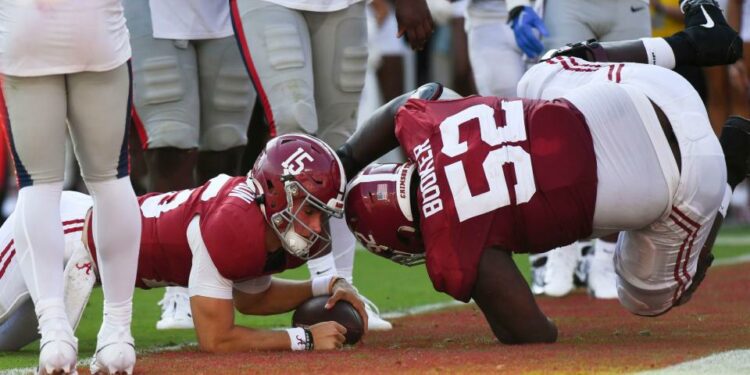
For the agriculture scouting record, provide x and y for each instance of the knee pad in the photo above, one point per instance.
(161, 81)
(352, 68)
(295, 114)
(284, 47)
(233, 91)
(643, 302)
(223, 137)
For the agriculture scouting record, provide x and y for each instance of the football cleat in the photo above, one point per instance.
(706, 29)
(58, 352)
(602, 279)
(115, 352)
(552, 272)
(581, 274)
(374, 321)
(175, 310)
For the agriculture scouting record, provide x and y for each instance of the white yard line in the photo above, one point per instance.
(420, 309)
(730, 362)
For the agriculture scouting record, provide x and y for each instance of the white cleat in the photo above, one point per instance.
(374, 321)
(552, 272)
(115, 354)
(175, 311)
(58, 353)
(602, 279)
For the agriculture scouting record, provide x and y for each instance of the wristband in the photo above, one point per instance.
(298, 338)
(310, 344)
(659, 52)
(321, 286)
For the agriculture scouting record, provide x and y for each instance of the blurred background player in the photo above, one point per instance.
(72, 58)
(193, 101)
(503, 36)
(307, 60)
(589, 263)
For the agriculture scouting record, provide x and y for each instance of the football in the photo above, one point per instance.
(313, 311)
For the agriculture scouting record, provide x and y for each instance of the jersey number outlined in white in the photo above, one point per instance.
(498, 195)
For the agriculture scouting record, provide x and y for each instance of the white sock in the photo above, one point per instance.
(322, 266)
(39, 241)
(343, 248)
(175, 290)
(604, 248)
(116, 315)
(51, 315)
(117, 234)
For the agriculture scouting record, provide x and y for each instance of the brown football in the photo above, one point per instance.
(313, 311)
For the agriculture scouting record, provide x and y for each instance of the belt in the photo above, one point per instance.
(666, 126)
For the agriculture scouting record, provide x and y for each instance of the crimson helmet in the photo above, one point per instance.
(301, 167)
(379, 212)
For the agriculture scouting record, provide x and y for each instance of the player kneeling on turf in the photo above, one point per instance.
(590, 149)
(222, 240)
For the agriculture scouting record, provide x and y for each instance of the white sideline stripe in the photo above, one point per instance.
(420, 309)
(733, 240)
(733, 260)
(729, 362)
(86, 362)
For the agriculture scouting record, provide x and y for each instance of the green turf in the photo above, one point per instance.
(390, 286)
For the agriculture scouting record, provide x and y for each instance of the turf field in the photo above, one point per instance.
(393, 288)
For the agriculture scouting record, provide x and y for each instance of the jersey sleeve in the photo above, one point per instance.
(234, 234)
(254, 286)
(205, 280)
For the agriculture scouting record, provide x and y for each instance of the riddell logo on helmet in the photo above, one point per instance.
(431, 202)
(295, 163)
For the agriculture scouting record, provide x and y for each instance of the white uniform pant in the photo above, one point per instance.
(307, 67)
(665, 213)
(188, 93)
(97, 106)
(570, 21)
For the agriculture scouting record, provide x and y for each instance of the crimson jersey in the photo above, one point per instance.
(231, 223)
(516, 174)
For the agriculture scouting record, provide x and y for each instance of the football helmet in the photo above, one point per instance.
(301, 169)
(379, 212)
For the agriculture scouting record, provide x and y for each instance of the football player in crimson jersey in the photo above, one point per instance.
(223, 240)
(593, 148)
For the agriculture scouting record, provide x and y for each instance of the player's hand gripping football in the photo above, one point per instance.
(342, 290)
(328, 335)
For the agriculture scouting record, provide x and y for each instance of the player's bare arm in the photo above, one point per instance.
(504, 297)
(707, 40)
(217, 333)
(377, 135)
(286, 295)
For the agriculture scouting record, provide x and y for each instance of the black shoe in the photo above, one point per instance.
(735, 141)
(706, 29)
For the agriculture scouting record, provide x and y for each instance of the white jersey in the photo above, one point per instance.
(315, 5)
(190, 19)
(43, 37)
